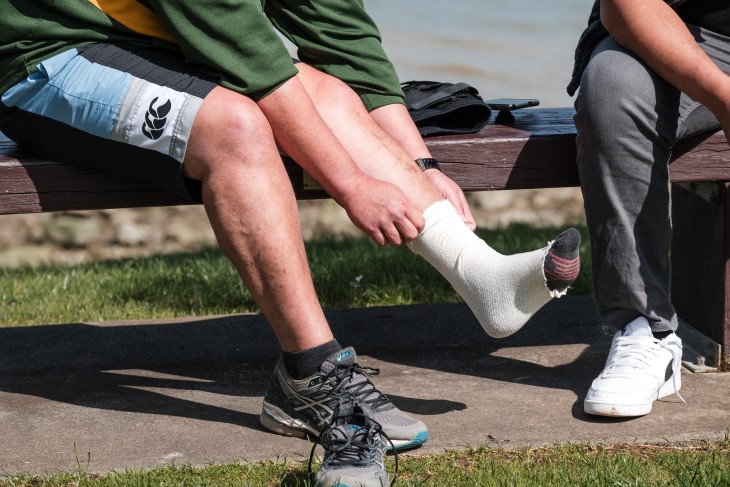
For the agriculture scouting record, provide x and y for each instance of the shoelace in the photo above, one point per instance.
(634, 352)
(676, 359)
(344, 376)
(359, 449)
(633, 349)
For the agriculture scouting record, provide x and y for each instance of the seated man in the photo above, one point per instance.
(657, 73)
(200, 97)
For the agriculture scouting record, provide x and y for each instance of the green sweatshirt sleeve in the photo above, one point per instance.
(339, 38)
(229, 40)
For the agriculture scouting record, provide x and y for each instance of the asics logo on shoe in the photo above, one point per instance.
(343, 355)
(155, 119)
(317, 381)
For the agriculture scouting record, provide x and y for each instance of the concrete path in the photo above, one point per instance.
(142, 394)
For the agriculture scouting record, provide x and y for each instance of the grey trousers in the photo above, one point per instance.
(628, 119)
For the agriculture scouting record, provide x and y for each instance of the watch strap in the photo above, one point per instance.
(427, 163)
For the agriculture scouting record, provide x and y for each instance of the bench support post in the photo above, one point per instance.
(701, 258)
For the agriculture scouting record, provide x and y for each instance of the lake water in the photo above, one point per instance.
(504, 48)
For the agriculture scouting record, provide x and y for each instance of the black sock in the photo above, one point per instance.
(661, 335)
(562, 263)
(306, 363)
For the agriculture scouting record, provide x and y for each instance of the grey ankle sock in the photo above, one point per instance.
(305, 363)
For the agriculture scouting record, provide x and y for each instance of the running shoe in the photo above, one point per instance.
(354, 449)
(304, 407)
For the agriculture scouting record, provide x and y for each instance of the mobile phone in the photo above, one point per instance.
(511, 103)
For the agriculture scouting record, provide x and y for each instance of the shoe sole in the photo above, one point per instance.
(630, 410)
(276, 420)
(420, 439)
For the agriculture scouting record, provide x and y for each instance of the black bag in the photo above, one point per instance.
(445, 108)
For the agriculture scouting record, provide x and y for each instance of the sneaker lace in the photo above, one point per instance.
(633, 352)
(351, 380)
(359, 449)
(637, 353)
(676, 359)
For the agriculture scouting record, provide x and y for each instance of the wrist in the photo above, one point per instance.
(347, 189)
(719, 100)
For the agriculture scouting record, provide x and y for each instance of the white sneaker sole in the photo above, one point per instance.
(630, 410)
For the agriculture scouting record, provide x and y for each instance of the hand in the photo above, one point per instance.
(383, 212)
(722, 112)
(452, 192)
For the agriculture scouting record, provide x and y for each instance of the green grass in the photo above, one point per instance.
(704, 464)
(348, 272)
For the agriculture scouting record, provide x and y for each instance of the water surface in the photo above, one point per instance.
(505, 48)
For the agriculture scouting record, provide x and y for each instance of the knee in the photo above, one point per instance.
(333, 95)
(615, 88)
(238, 124)
(225, 129)
(343, 95)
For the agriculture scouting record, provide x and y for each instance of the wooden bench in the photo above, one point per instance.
(537, 151)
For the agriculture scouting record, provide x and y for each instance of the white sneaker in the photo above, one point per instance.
(640, 369)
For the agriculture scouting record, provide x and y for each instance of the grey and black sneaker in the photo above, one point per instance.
(304, 407)
(354, 449)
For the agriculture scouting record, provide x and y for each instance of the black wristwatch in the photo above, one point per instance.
(428, 163)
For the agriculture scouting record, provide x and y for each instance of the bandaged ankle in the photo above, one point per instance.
(503, 291)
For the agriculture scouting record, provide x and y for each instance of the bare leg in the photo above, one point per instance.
(252, 208)
(395, 121)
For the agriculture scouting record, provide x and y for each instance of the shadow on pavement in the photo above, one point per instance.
(121, 366)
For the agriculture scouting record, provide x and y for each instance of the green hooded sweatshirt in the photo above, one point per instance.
(233, 41)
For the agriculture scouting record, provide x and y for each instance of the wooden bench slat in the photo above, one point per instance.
(703, 158)
(538, 151)
(33, 186)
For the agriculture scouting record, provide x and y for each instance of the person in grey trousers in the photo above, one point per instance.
(651, 72)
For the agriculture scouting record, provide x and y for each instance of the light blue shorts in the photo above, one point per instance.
(112, 107)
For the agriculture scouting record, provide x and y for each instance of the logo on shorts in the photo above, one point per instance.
(155, 119)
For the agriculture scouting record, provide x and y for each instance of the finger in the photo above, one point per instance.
(415, 218)
(378, 237)
(470, 224)
(408, 232)
(453, 197)
(468, 217)
(392, 233)
(457, 198)
(410, 225)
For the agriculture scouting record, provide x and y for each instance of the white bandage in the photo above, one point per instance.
(503, 291)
